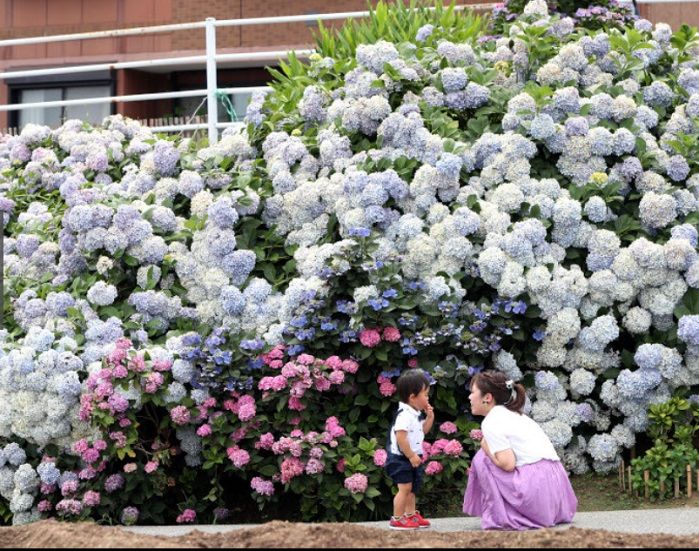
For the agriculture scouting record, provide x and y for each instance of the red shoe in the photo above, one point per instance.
(421, 521)
(403, 523)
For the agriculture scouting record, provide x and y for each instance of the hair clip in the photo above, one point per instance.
(509, 384)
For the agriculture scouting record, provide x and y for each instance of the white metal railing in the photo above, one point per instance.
(210, 59)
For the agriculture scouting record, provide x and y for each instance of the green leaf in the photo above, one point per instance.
(691, 301)
(361, 400)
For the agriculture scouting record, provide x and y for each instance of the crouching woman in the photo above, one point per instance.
(516, 480)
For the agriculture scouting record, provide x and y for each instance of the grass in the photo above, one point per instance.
(594, 492)
(602, 493)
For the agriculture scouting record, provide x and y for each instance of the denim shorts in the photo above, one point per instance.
(401, 471)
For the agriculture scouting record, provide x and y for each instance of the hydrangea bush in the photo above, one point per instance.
(191, 328)
(590, 14)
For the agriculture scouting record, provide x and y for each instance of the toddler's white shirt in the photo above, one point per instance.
(408, 419)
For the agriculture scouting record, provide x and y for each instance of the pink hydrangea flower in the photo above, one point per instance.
(69, 507)
(370, 337)
(291, 467)
(350, 366)
(262, 486)
(69, 487)
(439, 445)
(340, 467)
(357, 483)
(448, 427)
(151, 466)
(180, 415)
(412, 362)
(386, 387)
(247, 412)
(337, 377)
(453, 447)
(153, 382)
(120, 372)
(88, 473)
(433, 467)
(162, 365)
(475, 434)
(305, 359)
(91, 498)
(130, 467)
(204, 430)
(137, 364)
(238, 457)
(80, 446)
(272, 383)
(265, 442)
(295, 404)
(90, 455)
(391, 334)
(316, 452)
(314, 466)
(188, 515)
(123, 343)
(332, 426)
(380, 456)
(334, 362)
(119, 438)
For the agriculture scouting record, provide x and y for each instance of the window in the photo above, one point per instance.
(55, 116)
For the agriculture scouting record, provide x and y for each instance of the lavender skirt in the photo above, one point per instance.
(537, 495)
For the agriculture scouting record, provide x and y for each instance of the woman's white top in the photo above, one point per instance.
(504, 429)
(408, 419)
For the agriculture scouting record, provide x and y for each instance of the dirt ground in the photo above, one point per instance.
(51, 533)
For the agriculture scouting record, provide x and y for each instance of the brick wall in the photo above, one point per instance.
(674, 14)
(20, 18)
(259, 35)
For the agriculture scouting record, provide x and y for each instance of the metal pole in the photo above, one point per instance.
(211, 84)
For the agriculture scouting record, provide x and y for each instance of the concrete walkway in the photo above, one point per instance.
(680, 521)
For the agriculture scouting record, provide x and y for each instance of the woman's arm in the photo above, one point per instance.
(504, 459)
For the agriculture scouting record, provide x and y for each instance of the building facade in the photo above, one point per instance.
(27, 18)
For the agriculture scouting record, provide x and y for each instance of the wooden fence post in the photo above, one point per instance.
(628, 470)
(646, 491)
(623, 472)
(689, 481)
(677, 486)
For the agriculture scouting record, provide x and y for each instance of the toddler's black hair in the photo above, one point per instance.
(410, 382)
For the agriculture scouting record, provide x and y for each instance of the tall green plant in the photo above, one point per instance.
(672, 427)
(397, 23)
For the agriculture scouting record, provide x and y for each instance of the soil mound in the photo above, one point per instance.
(52, 533)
